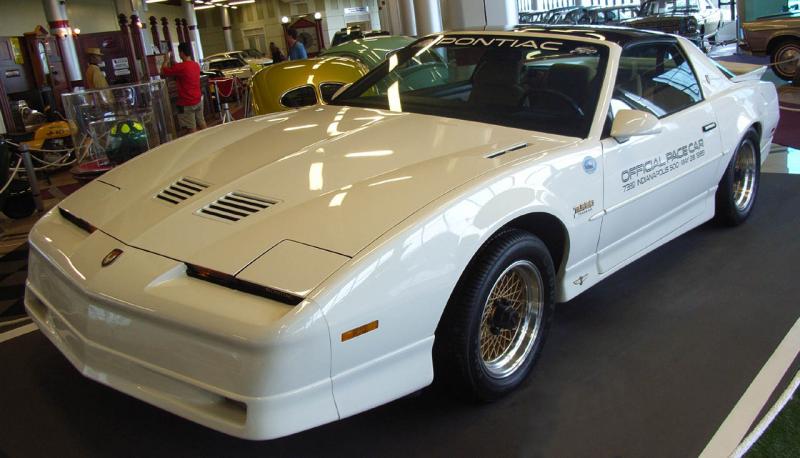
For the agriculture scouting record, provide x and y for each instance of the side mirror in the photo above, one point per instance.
(340, 90)
(633, 123)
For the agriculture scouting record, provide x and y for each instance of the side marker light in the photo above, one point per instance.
(363, 329)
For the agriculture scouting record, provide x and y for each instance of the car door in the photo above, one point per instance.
(655, 184)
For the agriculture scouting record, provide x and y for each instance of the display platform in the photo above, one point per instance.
(648, 363)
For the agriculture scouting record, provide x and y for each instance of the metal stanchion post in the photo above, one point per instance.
(226, 115)
(31, 175)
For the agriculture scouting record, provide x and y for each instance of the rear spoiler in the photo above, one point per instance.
(738, 72)
(753, 75)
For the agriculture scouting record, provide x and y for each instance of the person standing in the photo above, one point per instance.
(93, 77)
(296, 49)
(275, 51)
(187, 78)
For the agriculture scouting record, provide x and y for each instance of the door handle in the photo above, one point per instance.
(709, 126)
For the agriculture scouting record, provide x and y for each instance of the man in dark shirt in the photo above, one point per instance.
(187, 78)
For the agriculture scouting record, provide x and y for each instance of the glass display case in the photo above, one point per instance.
(118, 123)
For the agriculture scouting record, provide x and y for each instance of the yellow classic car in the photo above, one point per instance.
(300, 83)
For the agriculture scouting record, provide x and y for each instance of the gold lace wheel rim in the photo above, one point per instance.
(504, 349)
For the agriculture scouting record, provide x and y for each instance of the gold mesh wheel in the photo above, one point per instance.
(511, 319)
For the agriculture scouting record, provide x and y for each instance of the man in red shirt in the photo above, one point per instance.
(187, 78)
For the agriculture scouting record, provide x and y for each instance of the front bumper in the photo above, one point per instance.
(234, 362)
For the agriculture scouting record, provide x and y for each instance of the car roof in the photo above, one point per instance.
(224, 54)
(622, 36)
(214, 60)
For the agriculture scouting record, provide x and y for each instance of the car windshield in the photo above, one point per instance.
(619, 14)
(656, 7)
(253, 53)
(532, 83)
(225, 64)
(771, 9)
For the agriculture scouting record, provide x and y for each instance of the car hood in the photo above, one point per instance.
(331, 177)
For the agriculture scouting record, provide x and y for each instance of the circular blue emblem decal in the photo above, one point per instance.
(589, 164)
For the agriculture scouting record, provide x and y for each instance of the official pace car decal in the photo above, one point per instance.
(661, 165)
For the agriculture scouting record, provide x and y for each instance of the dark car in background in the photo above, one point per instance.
(534, 17)
(354, 33)
(601, 15)
(697, 20)
(566, 15)
(612, 15)
(608, 15)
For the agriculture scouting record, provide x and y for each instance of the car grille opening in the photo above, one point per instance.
(234, 206)
(181, 190)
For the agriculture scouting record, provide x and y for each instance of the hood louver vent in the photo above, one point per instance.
(181, 190)
(234, 206)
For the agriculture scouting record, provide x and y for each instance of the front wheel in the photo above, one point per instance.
(784, 59)
(497, 318)
(738, 188)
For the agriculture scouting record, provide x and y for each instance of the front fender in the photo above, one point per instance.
(405, 278)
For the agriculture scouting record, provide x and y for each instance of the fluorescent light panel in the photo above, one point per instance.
(241, 2)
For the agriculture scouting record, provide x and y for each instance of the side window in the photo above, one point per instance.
(657, 77)
(327, 90)
(300, 97)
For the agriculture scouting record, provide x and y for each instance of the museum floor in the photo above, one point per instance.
(649, 363)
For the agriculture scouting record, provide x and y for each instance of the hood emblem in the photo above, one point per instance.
(111, 257)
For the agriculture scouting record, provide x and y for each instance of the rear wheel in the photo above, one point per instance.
(784, 58)
(496, 321)
(738, 188)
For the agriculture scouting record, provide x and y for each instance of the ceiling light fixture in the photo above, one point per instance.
(204, 7)
(241, 2)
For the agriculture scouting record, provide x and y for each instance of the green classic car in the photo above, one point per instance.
(369, 51)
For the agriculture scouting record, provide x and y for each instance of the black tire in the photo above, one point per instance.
(782, 51)
(738, 188)
(458, 361)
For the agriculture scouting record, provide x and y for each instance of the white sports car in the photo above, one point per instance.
(277, 273)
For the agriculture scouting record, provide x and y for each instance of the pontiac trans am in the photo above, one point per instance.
(277, 273)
